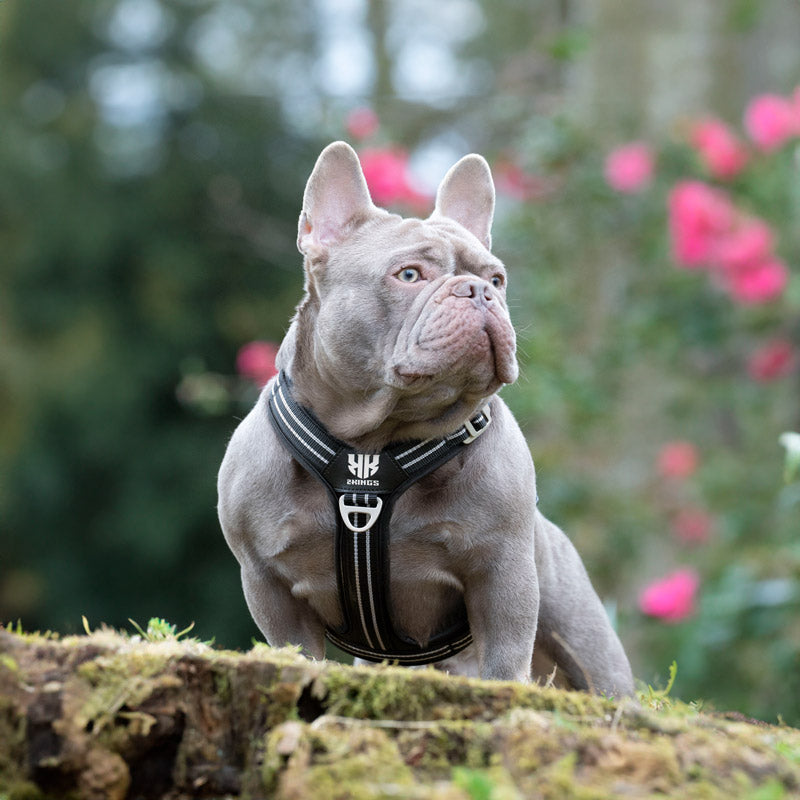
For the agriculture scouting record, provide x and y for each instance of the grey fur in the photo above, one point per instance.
(379, 359)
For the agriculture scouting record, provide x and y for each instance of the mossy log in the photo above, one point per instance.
(110, 716)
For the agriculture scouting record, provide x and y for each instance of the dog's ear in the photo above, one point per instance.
(466, 195)
(335, 199)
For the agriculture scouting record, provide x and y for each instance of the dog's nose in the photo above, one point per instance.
(480, 291)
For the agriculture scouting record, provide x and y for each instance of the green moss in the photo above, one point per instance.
(334, 761)
(222, 685)
(378, 693)
(22, 790)
(396, 693)
(558, 782)
(432, 750)
(771, 790)
(12, 742)
(8, 662)
(113, 681)
(493, 783)
(280, 702)
(377, 732)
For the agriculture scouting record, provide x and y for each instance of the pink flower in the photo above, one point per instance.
(720, 150)
(751, 242)
(770, 121)
(256, 361)
(692, 525)
(773, 360)
(629, 168)
(759, 282)
(677, 459)
(362, 123)
(388, 179)
(672, 598)
(796, 108)
(698, 217)
(514, 182)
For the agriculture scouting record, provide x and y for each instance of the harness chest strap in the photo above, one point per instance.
(363, 488)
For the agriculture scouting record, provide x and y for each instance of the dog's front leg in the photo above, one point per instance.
(502, 599)
(281, 617)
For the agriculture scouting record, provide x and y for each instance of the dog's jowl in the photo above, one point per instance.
(380, 493)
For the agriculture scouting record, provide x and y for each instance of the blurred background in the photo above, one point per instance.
(153, 155)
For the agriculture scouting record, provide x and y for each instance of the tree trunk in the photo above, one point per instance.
(105, 716)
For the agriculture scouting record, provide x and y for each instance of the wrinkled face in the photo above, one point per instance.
(418, 306)
(404, 330)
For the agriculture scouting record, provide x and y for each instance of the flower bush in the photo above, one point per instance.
(660, 302)
(730, 209)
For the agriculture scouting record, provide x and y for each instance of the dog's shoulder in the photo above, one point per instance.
(254, 462)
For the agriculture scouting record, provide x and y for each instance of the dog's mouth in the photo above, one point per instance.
(484, 365)
(407, 377)
(459, 343)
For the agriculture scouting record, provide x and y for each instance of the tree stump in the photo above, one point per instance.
(112, 716)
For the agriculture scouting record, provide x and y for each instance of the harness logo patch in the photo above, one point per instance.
(363, 465)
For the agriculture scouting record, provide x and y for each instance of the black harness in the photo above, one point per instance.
(363, 488)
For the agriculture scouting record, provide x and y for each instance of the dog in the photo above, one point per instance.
(419, 539)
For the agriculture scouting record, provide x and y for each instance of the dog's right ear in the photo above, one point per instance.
(336, 198)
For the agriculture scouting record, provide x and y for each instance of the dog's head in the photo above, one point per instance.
(405, 318)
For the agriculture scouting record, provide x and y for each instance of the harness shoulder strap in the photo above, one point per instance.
(363, 488)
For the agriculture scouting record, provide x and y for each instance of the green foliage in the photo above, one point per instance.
(477, 783)
(659, 698)
(624, 352)
(131, 245)
(159, 630)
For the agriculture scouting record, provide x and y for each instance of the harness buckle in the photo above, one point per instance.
(371, 512)
(474, 432)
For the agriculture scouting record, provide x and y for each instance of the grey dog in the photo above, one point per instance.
(399, 345)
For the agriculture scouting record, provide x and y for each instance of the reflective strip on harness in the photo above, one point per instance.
(363, 488)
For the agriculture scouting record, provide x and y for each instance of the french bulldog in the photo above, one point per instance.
(402, 336)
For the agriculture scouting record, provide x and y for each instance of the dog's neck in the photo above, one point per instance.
(376, 416)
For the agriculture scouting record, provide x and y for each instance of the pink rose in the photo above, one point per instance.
(629, 168)
(256, 361)
(720, 150)
(362, 123)
(672, 598)
(698, 217)
(773, 360)
(677, 459)
(388, 178)
(750, 242)
(770, 121)
(759, 282)
(692, 526)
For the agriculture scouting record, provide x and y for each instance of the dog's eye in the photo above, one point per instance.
(497, 281)
(409, 275)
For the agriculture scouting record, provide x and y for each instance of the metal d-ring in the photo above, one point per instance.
(371, 512)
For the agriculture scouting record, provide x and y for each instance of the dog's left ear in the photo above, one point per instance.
(466, 195)
(336, 198)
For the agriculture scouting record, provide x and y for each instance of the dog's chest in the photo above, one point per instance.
(425, 550)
